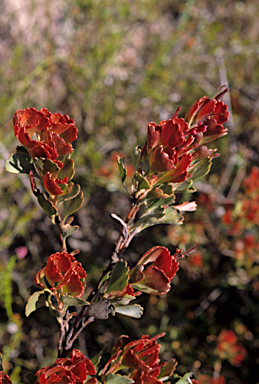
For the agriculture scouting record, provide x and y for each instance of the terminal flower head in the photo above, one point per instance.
(43, 134)
(63, 273)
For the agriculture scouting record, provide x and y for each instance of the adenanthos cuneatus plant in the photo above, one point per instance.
(174, 155)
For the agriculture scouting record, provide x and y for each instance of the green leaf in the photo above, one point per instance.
(69, 301)
(119, 277)
(202, 169)
(160, 202)
(46, 165)
(19, 162)
(31, 378)
(140, 182)
(159, 215)
(122, 169)
(184, 186)
(45, 204)
(172, 216)
(36, 300)
(67, 170)
(72, 205)
(118, 379)
(149, 218)
(132, 310)
(185, 379)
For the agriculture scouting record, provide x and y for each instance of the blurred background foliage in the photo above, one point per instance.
(113, 66)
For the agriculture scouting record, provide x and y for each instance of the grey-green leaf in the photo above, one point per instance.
(36, 300)
(133, 310)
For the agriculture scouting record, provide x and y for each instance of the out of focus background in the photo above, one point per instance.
(113, 66)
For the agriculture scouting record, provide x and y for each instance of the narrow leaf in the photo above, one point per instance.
(36, 300)
(72, 205)
(119, 277)
(122, 169)
(136, 155)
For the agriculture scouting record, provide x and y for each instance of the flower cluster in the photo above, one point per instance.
(154, 271)
(54, 132)
(63, 274)
(73, 371)
(48, 137)
(140, 356)
(229, 348)
(174, 144)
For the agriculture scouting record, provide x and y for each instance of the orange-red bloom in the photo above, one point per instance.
(205, 379)
(43, 134)
(173, 144)
(68, 371)
(229, 348)
(4, 379)
(154, 271)
(141, 356)
(62, 273)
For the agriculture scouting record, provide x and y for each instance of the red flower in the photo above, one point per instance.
(139, 355)
(229, 348)
(62, 273)
(52, 182)
(51, 133)
(211, 113)
(4, 379)
(154, 271)
(172, 145)
(70, 371)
